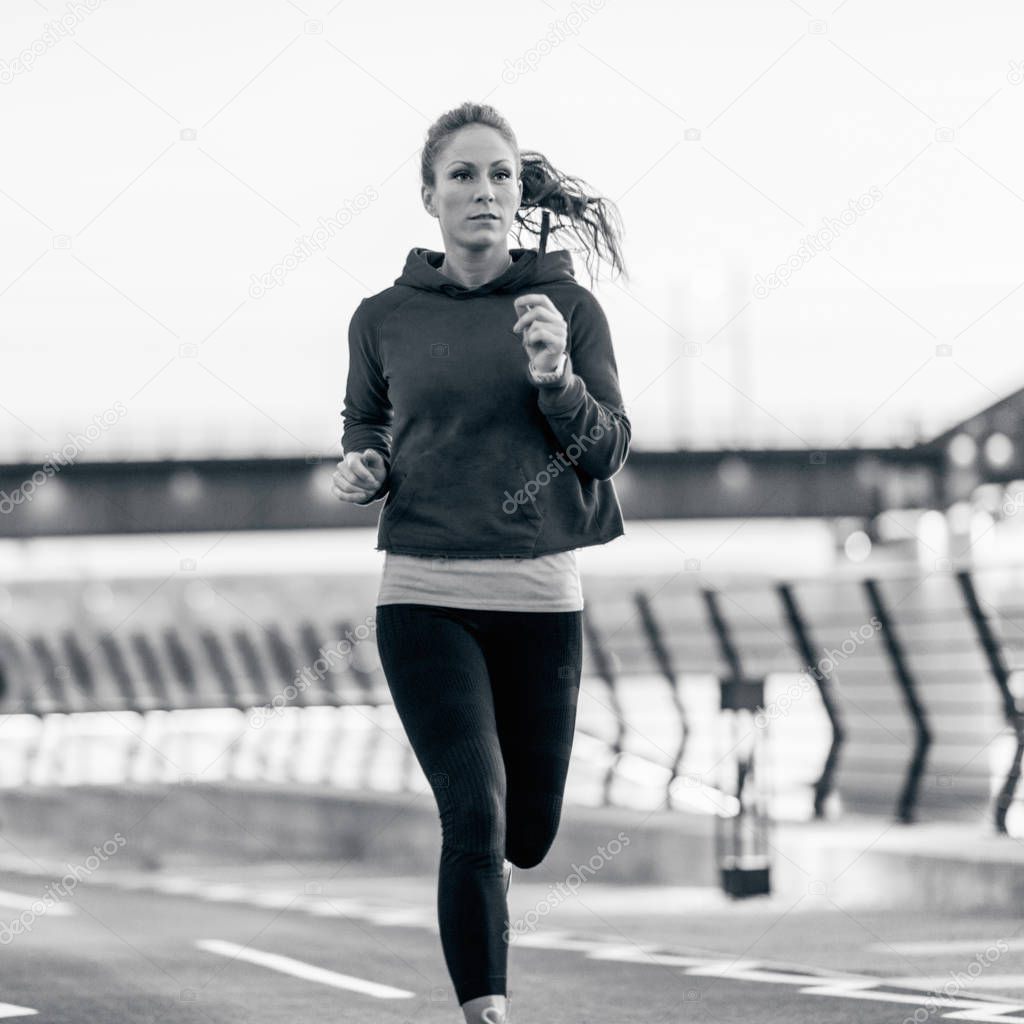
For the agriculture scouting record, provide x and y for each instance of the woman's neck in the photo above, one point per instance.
(472, 269)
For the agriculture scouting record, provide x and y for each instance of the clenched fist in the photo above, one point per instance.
(544, 330)
(359, 476)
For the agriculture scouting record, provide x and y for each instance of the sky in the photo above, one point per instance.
(160, 159)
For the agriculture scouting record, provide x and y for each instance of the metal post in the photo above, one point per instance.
(607, 673)
(730, 655)
(158, 696)
(923, 737)
(261, 695)
(997, 666)
(661, 655)
(825, 785)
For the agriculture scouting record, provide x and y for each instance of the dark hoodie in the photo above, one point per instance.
(484, 463)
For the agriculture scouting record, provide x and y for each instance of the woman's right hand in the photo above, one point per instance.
(359, 476)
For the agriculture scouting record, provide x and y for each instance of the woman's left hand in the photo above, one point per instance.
(546, 331)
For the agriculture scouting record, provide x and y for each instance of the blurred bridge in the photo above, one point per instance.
(281, 493)
(200, 494)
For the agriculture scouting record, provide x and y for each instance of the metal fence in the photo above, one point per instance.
(890, 692)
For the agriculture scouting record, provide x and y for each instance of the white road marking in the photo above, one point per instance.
(806, 981)
(724, 968)
(275, 898)
(19, 901)
(412, 917)
(226, 891)
(333, 907)
(943, 946)
(982, 981)
(10, 1010)
(970, 1009)
(286, 965)
(177, 885)
(982, 1014)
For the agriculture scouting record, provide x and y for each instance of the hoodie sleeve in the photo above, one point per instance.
(588, 401)
(367, 414)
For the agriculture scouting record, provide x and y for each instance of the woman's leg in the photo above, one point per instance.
(438, 677)
(535, 664)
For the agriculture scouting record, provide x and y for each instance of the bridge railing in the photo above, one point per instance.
(891, 692)
(910, 676)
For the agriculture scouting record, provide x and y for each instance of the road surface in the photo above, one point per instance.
(337, 942)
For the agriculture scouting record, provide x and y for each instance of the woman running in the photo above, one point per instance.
(483, 401)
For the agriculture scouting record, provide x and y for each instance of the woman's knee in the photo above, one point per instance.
(530, 839)
(527, 853)
(475, 820)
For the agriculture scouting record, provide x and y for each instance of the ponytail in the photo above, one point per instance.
(594, 221)
(548, 193)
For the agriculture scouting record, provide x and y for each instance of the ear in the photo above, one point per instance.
(427, 194)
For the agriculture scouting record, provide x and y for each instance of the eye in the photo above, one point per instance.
(459, 174)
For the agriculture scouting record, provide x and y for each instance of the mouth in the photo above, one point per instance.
(484, 216)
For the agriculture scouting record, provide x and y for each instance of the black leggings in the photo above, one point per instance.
(488, 701)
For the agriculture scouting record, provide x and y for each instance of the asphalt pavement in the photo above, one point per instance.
(305, 941)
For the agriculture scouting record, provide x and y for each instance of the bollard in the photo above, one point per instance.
(743, 820)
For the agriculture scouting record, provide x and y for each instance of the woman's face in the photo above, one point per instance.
(475, 173)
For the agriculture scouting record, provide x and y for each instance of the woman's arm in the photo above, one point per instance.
(367, 415)
(585, 408)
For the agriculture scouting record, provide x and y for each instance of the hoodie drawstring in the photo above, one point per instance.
(545, 222)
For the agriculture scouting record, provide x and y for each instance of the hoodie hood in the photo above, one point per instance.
(528, 269)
